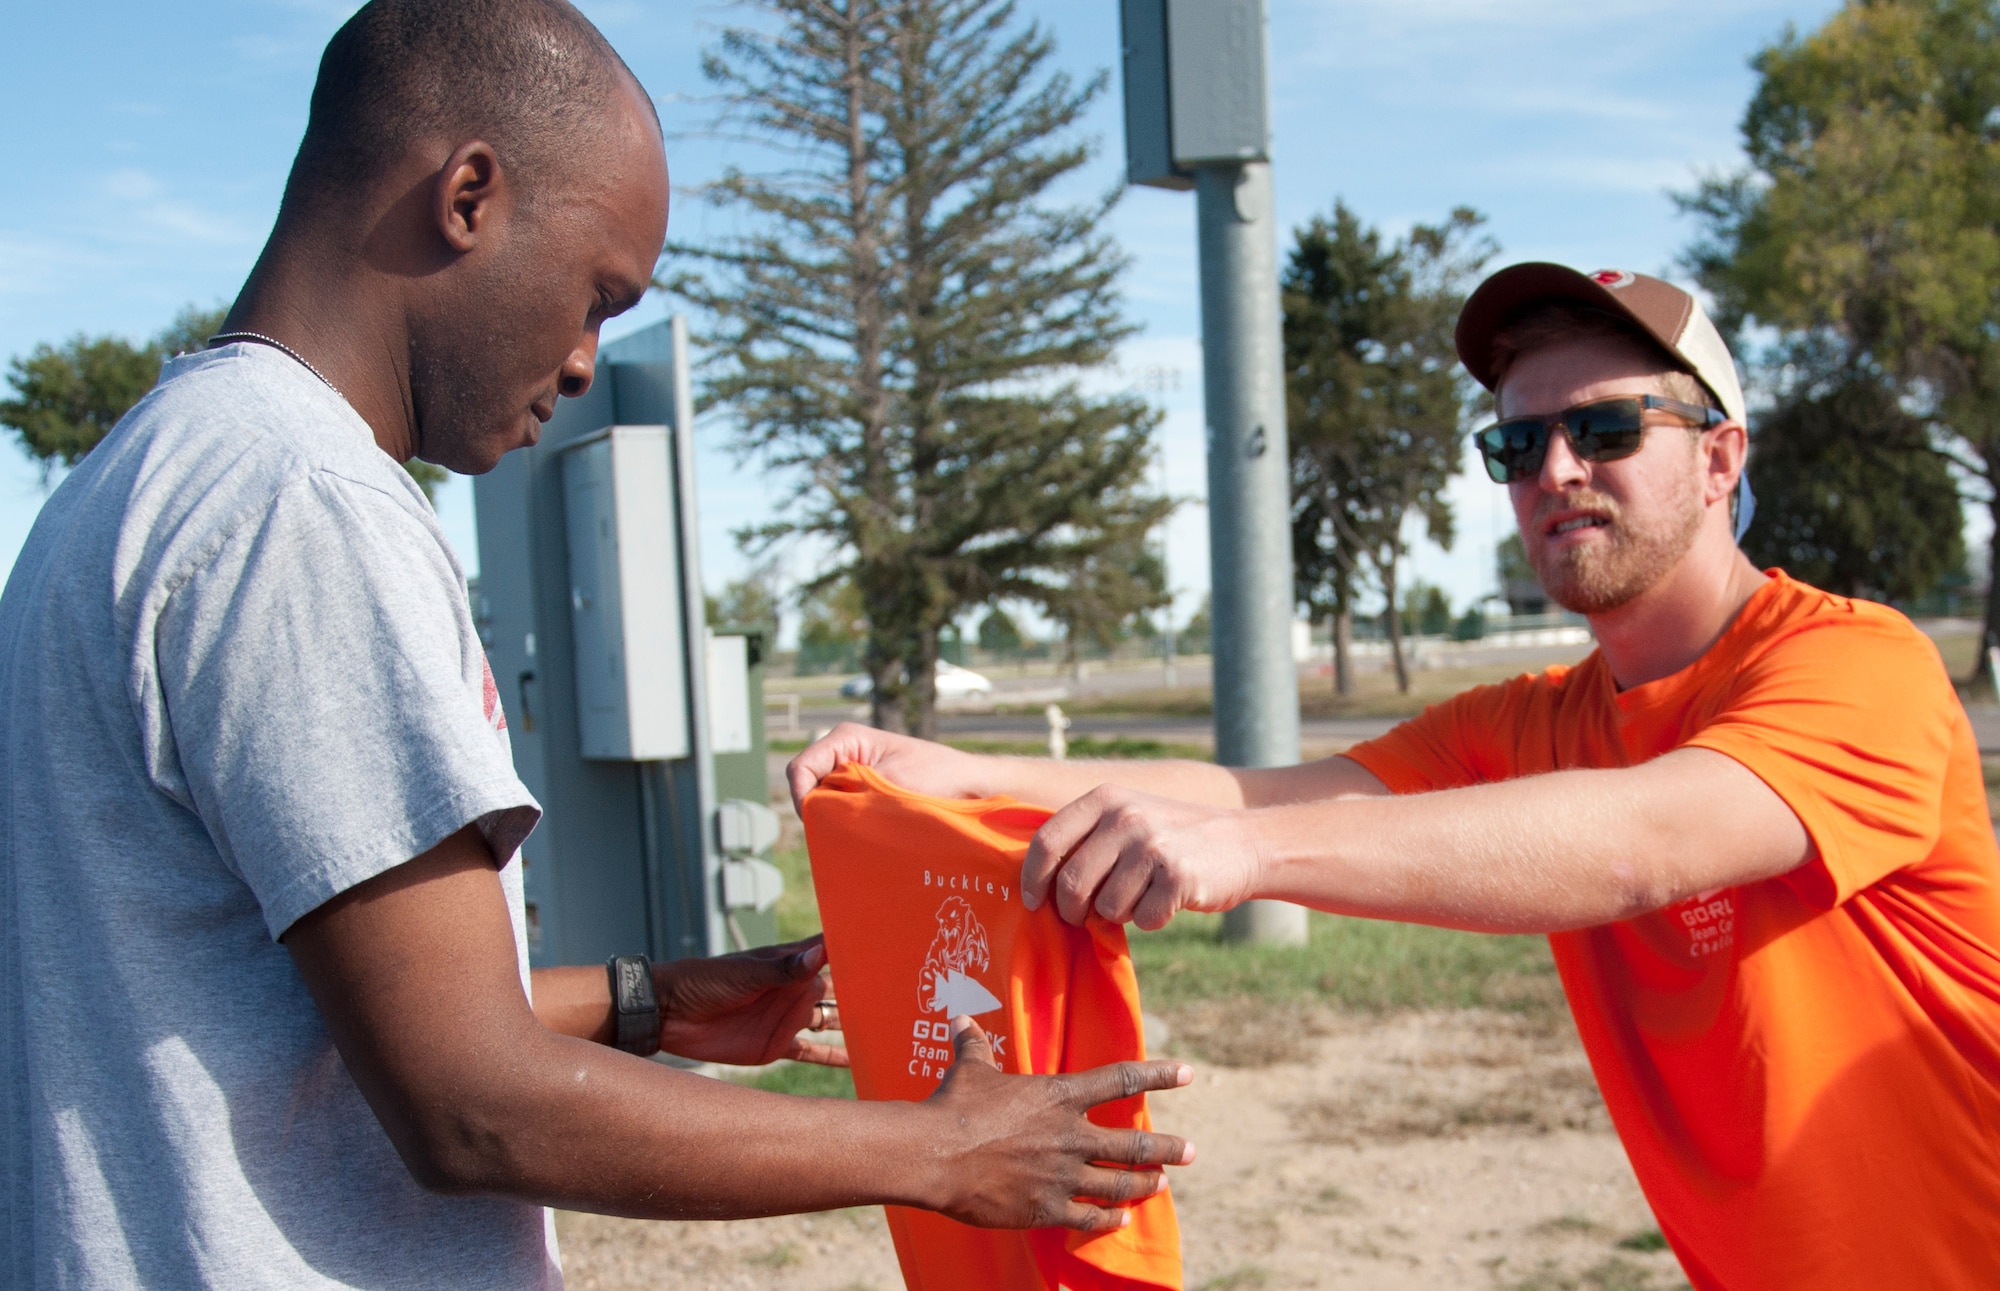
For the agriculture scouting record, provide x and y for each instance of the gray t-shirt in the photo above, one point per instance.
(237, 676)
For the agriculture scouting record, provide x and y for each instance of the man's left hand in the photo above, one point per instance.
(748, 1008)
(1129, 856)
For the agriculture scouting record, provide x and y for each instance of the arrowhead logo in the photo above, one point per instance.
(954, 993)
(946, 985)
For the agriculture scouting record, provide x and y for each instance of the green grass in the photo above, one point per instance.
(805, 1078)
(798, 906)
(1358, 964)
(1646, 1239)
(1243, 1279)
(1181, 701)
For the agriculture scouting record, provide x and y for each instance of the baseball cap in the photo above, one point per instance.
(1658, 308)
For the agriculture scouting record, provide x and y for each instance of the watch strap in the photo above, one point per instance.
(635, 1009)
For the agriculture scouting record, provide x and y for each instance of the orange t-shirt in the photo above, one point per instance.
(924, 922)
(1802, 1069)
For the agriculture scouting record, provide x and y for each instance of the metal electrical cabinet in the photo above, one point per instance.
(589, 599)
(626, 602)
(1195, 73)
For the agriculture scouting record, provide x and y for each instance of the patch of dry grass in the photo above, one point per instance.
(1246, 1030)
(1521, 1102)
(1517, 1076)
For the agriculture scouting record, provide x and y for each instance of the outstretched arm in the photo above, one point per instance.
(415, 974)
(946, 772)
(745, 1009)
(1567, 850)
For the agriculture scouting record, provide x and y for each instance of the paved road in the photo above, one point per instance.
(1316, 735)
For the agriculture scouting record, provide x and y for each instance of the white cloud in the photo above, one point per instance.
(141, 205)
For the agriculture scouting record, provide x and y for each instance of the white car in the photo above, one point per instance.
(953, 682)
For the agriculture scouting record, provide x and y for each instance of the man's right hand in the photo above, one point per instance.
(918, 765)
(1020, 1151)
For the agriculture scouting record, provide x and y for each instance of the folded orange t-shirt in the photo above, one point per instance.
(924, 922)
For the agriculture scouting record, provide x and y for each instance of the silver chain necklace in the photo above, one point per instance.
(280, 346)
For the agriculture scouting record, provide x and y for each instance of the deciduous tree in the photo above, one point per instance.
(1105, 592)
(1375, 404)
(998, 634)
(1849, 495)
(1865, 231)
(68, 397)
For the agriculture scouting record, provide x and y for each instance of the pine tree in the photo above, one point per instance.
(1105, 592)
(904, 316)
(1375, 402)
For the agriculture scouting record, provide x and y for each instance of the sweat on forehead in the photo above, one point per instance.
(529, 77)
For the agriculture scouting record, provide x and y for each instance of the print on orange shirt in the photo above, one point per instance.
(1804, 1071)
(924, 921)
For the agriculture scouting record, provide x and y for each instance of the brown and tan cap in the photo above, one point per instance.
(1661, 310)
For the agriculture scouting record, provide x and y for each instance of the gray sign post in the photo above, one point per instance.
(1196, 116)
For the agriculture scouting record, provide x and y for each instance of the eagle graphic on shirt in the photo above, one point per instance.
(946, 984)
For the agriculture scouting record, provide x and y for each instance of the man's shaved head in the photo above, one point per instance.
(482, 183)
(527, 76)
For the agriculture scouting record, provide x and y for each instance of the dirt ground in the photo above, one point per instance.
(1442, 1149)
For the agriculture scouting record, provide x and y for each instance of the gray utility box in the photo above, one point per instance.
(1195, 87)
(589, 598)
(626, 601)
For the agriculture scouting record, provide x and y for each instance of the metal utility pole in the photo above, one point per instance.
(1197, 116)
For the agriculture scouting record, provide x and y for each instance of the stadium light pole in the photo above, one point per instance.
(1197, 116)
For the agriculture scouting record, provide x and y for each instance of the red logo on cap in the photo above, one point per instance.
(1612, 278)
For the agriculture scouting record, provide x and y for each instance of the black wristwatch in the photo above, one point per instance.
(635, 1010)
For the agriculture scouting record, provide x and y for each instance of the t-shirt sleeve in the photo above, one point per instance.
(1462, 741)
(325, 695)
(1849, 719)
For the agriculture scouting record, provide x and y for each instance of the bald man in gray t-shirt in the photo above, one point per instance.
(239, 677)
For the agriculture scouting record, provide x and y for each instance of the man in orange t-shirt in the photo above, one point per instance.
(1753, 823)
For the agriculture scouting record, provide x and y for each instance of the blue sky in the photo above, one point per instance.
(145, 146)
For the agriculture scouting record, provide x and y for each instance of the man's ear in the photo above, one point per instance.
(468, 185)
(1725, 456)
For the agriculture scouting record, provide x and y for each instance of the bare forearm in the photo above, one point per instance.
(415, 976)
(586, 1127)
(950, 773)
(1046, 782)
(1541, 854)
(574, 1001)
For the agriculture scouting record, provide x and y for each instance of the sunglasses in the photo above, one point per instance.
(1603, 431)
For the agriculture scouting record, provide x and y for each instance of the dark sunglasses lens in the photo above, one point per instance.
(1607, 431)
(1513, 449)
